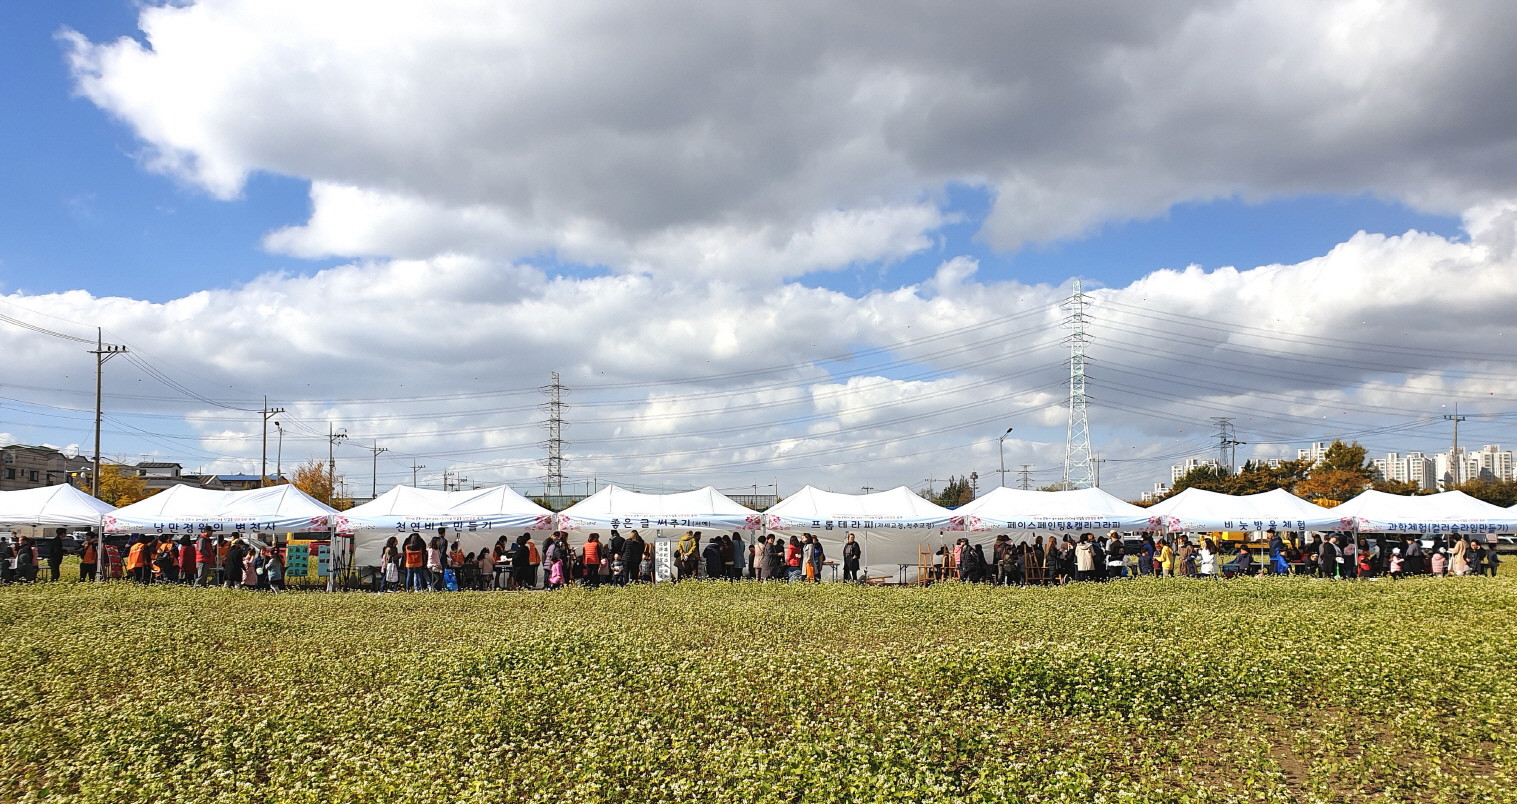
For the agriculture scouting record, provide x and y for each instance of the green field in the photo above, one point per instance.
(1245, 690)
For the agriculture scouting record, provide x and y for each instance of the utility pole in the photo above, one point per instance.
(1078, 472)
(102, 353)
(928, 480)
(1456, 465)
(333, 436)
(414, 467)
(1026, 474)
(868, 489)
(1227, 444)
(1002, 445)
(263, 475)
(1096, 462)
(974, 484)
(374, 482)
(554, 407)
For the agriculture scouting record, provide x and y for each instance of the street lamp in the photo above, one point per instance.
(279, 453)
(1002, 442)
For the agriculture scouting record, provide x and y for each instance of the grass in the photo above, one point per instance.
(1247, 690)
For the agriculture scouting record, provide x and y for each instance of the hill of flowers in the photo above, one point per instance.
(1244, 690)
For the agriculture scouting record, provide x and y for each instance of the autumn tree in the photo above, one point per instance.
(1341, 474)
(311, 477)
(1495, 492)
(121, 486)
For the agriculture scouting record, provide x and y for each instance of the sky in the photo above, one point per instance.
(765, 245)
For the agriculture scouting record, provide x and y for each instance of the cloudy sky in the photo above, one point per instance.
(762, 243)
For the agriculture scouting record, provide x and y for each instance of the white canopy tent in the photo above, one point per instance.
(1449, 512)
(1194, 510)
(618, 508)
(1075, 511)
(474, 518)
(889, 524)
(187, 510)
(52, 507)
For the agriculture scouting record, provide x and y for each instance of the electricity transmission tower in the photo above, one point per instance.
(554, 407)
(1227, 443)
(1026, 479)
(1079, 472)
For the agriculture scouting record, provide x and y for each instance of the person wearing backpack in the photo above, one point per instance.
(416, 561)
(273, 570)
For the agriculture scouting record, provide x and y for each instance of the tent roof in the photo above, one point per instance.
(1077, 509)
(899, 505)
(617, 501)
(1446, 512)
(407, 501)
(52, 506)
(274, 508)
(1198, 509)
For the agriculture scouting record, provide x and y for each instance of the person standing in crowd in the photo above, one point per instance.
(7, 561)
(729, 556)
(521, 563)
(51, 551)
(1051, 562)
(389, 565)
(739, 556)
(1164, 559)
(1116, 556)
(231, 565)
(713, 557)
(26, 560)
(1207, 559)
(592, 554)
(415, 552)
(1146, 550)
(251, 563)
(685, 552)
(851, 553)
(1276, 548)
(1438, 562)
(1348, 565)
(1412, 552)
(1459, 560)
(818, 558)
(188, 558)
(89, 557)
(433, 566)
(1328, 558)
(205, 558)
(1085, 559)
(1397, 562)
(273, 570)
(793, 560)
(774, 563)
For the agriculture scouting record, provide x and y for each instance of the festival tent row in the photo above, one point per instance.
(60, 506)
(890, 525)
(474, 518)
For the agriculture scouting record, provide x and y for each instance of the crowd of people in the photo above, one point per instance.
(436, 564)
(421, 564)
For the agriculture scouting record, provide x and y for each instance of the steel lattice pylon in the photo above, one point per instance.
(554, 483)
(1079, 470)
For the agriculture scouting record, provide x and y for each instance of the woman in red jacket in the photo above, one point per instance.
(793, 559)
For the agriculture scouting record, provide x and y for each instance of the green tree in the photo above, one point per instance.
(958, 492)
(121, 486)
(1341, 475)
(311, 477)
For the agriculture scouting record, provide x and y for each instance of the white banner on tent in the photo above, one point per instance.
(1451, 512)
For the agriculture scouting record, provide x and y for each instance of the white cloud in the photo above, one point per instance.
(607, 130)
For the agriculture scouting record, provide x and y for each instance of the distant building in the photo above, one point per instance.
(159, 475)
(245, 482)
(1180, 470)
(1414, 468)
(1160, 489)
(27, 467)
(1316, 451)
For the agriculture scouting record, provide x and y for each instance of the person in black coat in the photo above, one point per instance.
(26, 561)
(851, 553)
(713, 556)
(1329, 557)
(52, 552)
